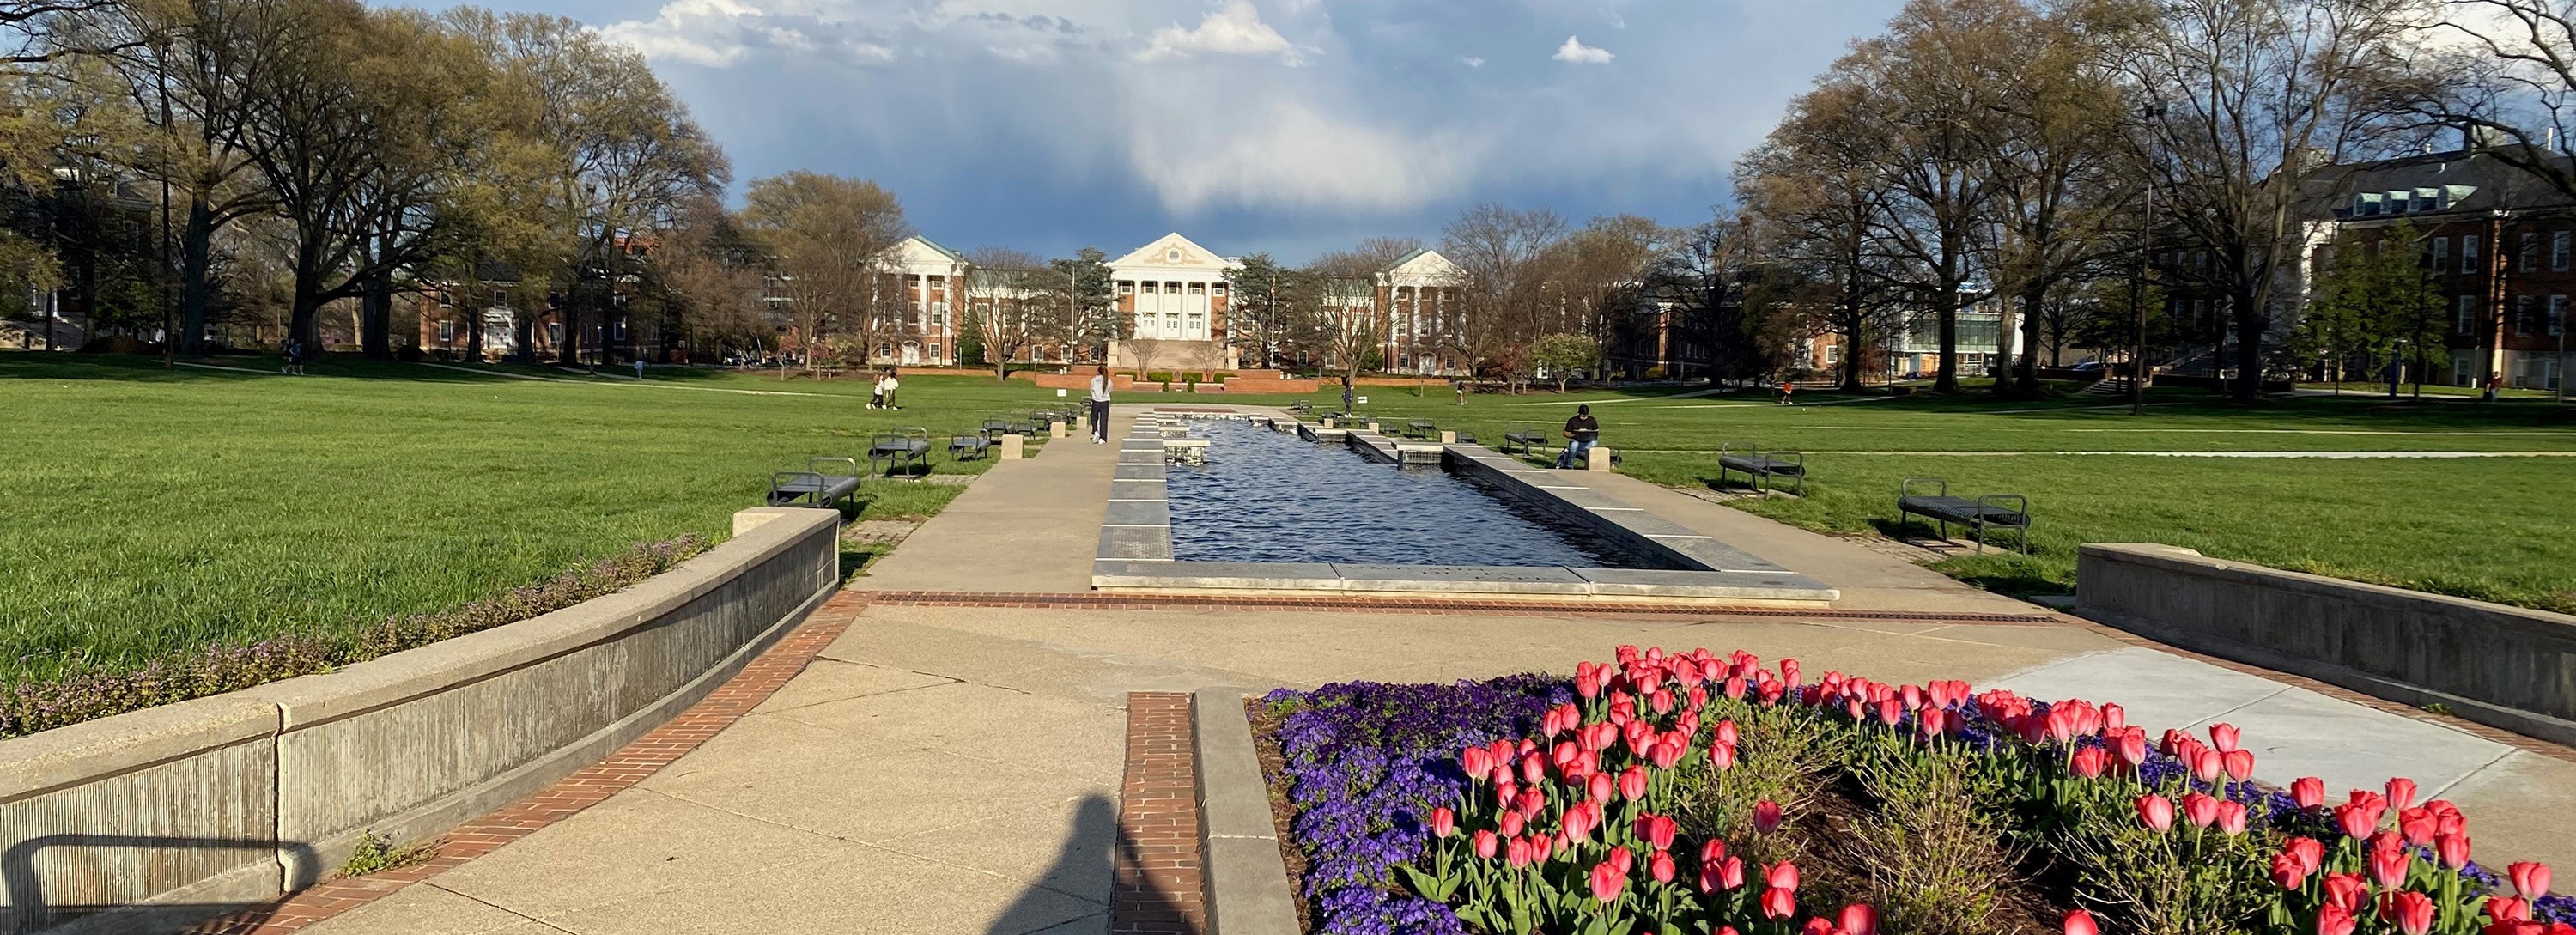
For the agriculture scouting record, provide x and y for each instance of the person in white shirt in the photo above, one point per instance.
(1100, 405)
(886, 388)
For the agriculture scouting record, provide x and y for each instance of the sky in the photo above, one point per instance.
(1283, 126)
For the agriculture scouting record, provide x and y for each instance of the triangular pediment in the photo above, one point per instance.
(1173, 251)
(920, 253)
(1423, 267)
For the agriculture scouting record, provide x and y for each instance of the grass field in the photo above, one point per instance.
(151, 511)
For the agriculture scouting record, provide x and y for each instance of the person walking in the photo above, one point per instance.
(887, 387)
(1100, 405)
(1788, 392)
(294, 358)
(639, 368)
(876, 393)
(1581, 433)
(2495, 384)
(1461, 386)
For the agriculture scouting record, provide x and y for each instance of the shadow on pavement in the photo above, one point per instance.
(1081, 870)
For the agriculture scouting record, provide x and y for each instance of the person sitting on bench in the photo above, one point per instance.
(1581, 433)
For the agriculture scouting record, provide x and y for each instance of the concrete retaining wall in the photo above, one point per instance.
(149, 820)
(2505, 666)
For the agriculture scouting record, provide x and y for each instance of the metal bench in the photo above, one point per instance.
(969, 447)
(1524, 435)
(1301, 407)
(1759, 469)
(1983, 514)
(999, 426)
(1421, 429)
(814, 486)
(900, 449)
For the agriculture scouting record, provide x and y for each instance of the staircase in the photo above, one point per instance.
(2111, 386)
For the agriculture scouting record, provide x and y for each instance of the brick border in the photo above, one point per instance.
(586, 787)
(1414, 605)
(1161, 873)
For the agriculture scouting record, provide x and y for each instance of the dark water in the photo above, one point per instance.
(1268, 496)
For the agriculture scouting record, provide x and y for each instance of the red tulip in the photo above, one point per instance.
(2334, 920)
(1721, 756)
(2207, 764)
(2080, 922)
(1478, 762)
(2452, 850)
(1517, 853)
(1607, 882)
(2308, 791)
(1726, 874)
(2231, 818)
(2310, 853)
(2114, 718)
(2200, 810)
(1779, 903)
(1529, 803)
(2239, 764)
(1711, 851)
(1511, 824)
(1581, 818)
(2089, 762)
(1818, 926)
(1659, 865)
(2388, 867)
(2401, 793)
(2417, 825)
(2508, 909)
(2358, 819)
(1532, 771)
(2345, 891)
(1766, 816)
(1663, 832)
(2156, 812)
(2530, 880)
(2223, 736)
(2132, 748)
(1781, 876)
(1667, 754)
(1891, 711)
(1726, 732)
(1598, 787)
(2288, 871)
(1632, 784)
(1622, 859)
(1789, 671)
(2412, 911)
(1486, 844)
(1858, 919)
(1933, 722)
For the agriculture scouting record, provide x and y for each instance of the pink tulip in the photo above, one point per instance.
(2530, 880)
(2308, 792)
(2088, 762)
(2413, 912)
(1781, 876)
(2508, 909)
(2231, 818)
(2156, 812)
(2452, 850)
(1621, 858)
(1633, 783)
(2114, 718)
(1511, 824)
(2223, 736)
(1517, 853)
(2388, 867)
(1444, 822)
(1607, 882)
(1662, 833)
(1726, 732)
(2131, 746)
(2207, 764)
(1599, 787)
(2239, 764)
(1789, 671)
(2346, 891)
(2287, 871)
(1478, 762)
(1933, 722)
(2080, 922)
(1659, 865)
(1858, 919)
(1711, 851)
(1766, 816)
(2358, 819)
(2334, 920)
(1533, 772)
(1779, 903)
(2200, 810)
(1721, 757)
(2401, 793)
(2310, 853)
(1486, 843)
(1666, 755)
(1890, 712)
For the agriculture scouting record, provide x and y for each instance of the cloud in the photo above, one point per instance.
(1576, 53)
(1234, 29)
(699, 32)
(1291, 156)
(1473, 61)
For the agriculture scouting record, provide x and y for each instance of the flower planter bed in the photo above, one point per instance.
(1700, 794)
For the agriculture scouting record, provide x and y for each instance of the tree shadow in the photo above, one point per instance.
(1082, 869)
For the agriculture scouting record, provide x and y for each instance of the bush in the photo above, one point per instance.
(82, 695)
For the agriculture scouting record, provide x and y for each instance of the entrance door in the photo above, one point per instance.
(911, 354)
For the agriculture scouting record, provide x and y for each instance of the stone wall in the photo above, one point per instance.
(148, 820)
(2505, 666)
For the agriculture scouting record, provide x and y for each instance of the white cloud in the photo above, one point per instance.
(699, 32)
(1292, 156)
(1575, 52)
(1473, 61)
(1234, 29)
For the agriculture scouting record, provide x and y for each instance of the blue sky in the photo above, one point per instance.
(1292, 126)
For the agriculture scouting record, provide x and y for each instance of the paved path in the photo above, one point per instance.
(2325, 455)
(955, 768)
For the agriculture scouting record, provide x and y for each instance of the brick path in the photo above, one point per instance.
(586, 787)
(1160, 885)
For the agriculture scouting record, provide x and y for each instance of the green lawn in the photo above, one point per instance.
(150, 511)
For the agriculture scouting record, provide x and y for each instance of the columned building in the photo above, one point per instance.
(925, 279)
(1422, 296)
(1175, 292)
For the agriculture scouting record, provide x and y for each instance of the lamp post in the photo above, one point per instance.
(2396, 366)
(2138, 290)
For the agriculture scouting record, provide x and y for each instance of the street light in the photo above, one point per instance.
(2138, 290)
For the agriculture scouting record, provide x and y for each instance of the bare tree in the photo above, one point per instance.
(825, 236)
(1500, 251)
(1006, 292)
(1813, 194)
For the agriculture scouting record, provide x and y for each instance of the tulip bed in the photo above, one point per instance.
(1704, 794)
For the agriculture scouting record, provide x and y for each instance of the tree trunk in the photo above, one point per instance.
(2026, 376)
(473, 332)
(376, 308)
(1948, 319)
(2249, 347)
(196, 259)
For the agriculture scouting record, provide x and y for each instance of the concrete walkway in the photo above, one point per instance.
(956, 768)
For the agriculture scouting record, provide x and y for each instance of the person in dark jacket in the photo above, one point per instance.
(1581, 433)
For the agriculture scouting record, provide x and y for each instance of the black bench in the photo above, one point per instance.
(1524, 435)
(1983, 515)
(1759, 469)
(1421, 429)
(969, 447)
(814, 486)
(1301, 407)
(900, 449)
(998, 426)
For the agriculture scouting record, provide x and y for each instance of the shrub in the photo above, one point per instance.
(86, 694)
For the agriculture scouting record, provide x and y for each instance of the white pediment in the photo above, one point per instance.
(917, 254)
(1424, 268)
(1173, 251)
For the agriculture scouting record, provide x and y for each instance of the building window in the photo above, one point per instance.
(934, 352)
(444, 301)
(2441, 247)
(2558, 251)
(1149, 288)
(2557, 315)
(554, 332)
(446, 331)
(2522, 315)
(1198, 288)
(1126, 288)
(2469, 253)
(2468, 314)
(2530, 252)
(500, 298)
